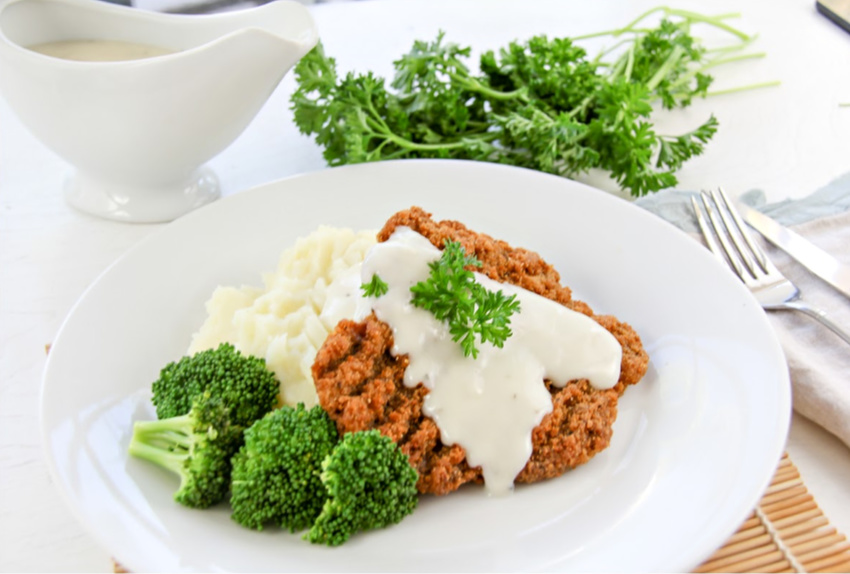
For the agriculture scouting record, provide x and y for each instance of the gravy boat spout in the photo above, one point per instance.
(138, 130)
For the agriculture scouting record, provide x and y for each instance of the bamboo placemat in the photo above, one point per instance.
(787, 532)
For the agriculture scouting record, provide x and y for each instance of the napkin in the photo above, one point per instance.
(818, 361)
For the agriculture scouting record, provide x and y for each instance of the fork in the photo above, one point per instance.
(726, 236)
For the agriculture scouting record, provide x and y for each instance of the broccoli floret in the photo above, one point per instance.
(243, 382)
(370, 484)
(197, 446)
(276, 473)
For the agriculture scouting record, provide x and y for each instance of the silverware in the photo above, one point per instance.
(726, 236)
(804, 252)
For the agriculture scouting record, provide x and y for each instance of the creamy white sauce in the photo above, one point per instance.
(345, 299)
(99, 50)
(491, 404)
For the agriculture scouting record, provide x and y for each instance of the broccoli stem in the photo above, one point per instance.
(181, 424)
(163, 442)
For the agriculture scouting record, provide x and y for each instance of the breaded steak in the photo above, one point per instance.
(360, 383)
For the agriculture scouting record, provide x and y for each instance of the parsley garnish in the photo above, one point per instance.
(543, 104)
(374, 288)
(452, 295)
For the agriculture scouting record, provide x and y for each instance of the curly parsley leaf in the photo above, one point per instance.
(472, 312)
(376, 287)
(675, 150)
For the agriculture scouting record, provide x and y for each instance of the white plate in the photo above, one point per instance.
(695, 444)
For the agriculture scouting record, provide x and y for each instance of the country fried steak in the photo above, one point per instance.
(360, 383)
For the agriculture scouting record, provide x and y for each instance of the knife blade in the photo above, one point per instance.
(802, 250)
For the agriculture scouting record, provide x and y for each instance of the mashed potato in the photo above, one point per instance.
(315, 285)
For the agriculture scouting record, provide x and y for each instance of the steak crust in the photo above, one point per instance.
(361, 384)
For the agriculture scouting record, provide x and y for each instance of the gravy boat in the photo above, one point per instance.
(139, 131)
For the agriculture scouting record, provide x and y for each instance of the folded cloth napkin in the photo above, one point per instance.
(819, 362)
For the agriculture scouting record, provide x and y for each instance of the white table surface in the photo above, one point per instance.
(788, 141)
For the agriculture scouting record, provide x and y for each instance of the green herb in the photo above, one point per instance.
(543, 104)
(374, 288)
(452, 295)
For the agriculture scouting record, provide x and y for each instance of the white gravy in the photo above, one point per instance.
(99, 50)
(491, 404)
(345, 299)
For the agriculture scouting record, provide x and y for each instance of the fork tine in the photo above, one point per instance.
(754, 250)
(736, 232)
(757, 251)
(718, 231)
(706, 231)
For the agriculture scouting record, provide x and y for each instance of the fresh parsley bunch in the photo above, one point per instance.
(543, 104)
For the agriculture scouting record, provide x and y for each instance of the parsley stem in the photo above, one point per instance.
(630, 63)
(745, 88)
(665, 68)
(382, 144)
(377, 118)
(608, 50)
(490, 93)
(618, 68)
(715, 21)
(624, 64)
(737, 47)
(376, 122)
(688, 16)
(411, 145)
(630, 27)
(738, 58)
(582, 107)
(687, 77)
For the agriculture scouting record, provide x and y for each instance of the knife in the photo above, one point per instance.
(811, 257)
